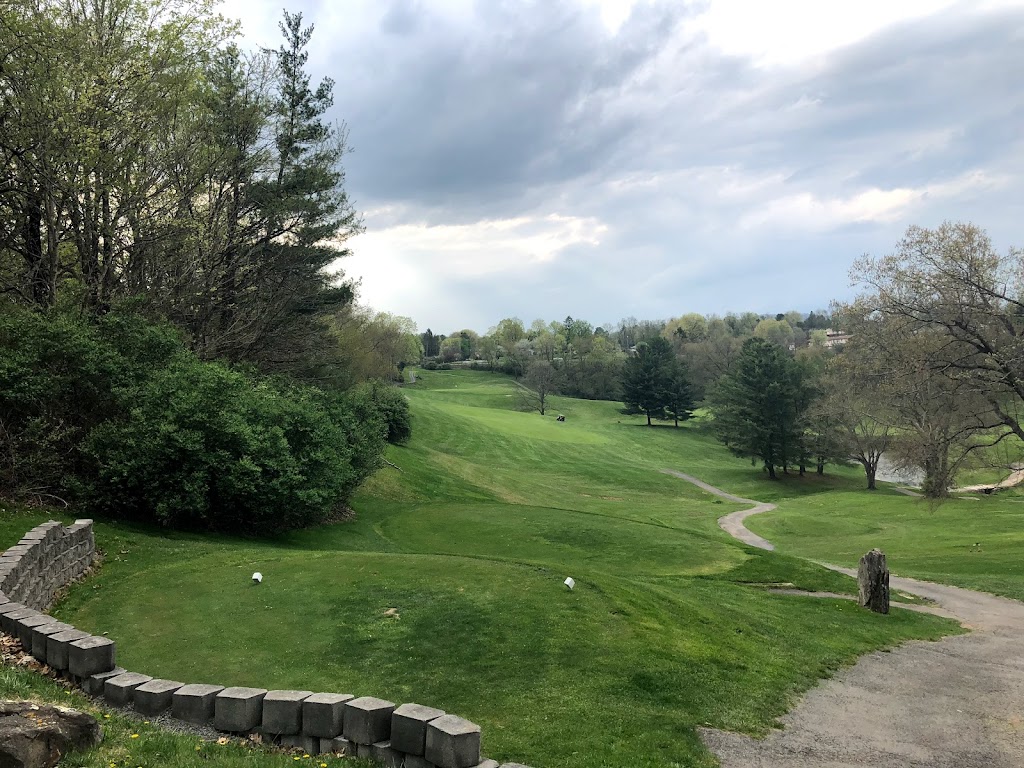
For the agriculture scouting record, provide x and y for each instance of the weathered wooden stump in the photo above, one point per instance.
(873, 581)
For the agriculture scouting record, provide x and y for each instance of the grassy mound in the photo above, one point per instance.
(670, 626)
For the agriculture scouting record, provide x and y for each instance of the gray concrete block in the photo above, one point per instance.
(409, 727)
(513, 765)
(93, 685)
(488, 764)
(323, 714)
(118, 690)
(417, 761)
(383, 753)
(282, 712)
(453, 742)
(9, 607)
(337, 746)
(4, 599)
(155, 697)
(310, 745)
(25, 627)
(57, 647)
(238, 709)
(195, 703)
(364, 751)
(39, 635)
(368, 720)
(90, 655)
(9, 620)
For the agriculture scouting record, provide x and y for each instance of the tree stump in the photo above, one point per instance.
(38, 735)
(873, 581)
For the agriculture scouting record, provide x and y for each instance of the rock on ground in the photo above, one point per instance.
(38, 735)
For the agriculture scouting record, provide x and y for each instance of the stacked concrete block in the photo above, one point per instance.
(90, 655)
(45, 561)
(120, 689)
(40, 634)
(25, 627)
(308, 744)
(195, 703)
(154, 697)
(409, 727)
(338, 746)
(282, 712)
(94, 684)
(453, 742)
(383, 753)
(10, 614)
(57, 647)
(323, 715)
(238, 710)
(368, 720)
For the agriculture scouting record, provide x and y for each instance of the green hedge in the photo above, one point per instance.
(119, 416)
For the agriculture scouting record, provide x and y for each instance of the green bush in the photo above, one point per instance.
(119, 415)
(56, 381)
(203, 446)
(392, 407)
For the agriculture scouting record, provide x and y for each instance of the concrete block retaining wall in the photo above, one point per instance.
(50, 556)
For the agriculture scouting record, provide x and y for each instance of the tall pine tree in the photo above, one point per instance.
(646, 379)
(758, 406)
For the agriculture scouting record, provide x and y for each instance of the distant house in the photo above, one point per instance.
(834, 338)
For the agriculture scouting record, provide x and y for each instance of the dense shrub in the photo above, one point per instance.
(57, 379)
(392, 407)
(202, 446)
(119, 415)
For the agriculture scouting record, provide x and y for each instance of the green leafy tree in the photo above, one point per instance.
(647, 375)
(757, 406)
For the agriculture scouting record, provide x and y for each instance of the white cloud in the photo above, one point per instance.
(785, 32)
(807, 212)
(614, 13)
(400, 264)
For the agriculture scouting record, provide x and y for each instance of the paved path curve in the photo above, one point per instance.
(955, 703)
(733, 522)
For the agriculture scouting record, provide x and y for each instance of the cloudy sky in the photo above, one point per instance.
(608, 158)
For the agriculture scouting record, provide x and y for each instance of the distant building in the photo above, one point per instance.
(835, 338)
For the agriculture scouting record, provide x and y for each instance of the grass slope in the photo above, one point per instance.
(670, 626)
(971, 542)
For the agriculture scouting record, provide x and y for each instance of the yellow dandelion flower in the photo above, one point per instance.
(135, 736)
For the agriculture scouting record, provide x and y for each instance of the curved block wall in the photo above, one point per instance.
(45, 561)
(50, 557)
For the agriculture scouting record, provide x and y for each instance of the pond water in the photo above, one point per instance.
(908, 476)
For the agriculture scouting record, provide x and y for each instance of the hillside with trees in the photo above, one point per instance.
(177, 343)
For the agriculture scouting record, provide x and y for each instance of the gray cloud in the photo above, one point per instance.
(724, 185)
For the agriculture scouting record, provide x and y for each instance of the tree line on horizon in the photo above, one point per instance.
(928, 369)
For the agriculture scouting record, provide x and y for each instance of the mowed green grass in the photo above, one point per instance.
(670, 626)
(971, 542)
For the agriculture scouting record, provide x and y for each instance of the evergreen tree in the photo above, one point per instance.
(758, 406)
(679, 393)
(646, 377)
